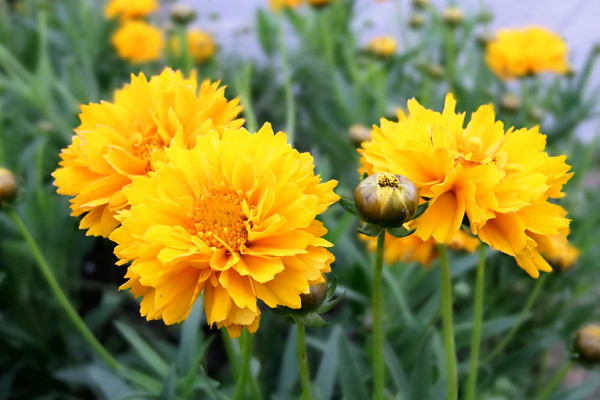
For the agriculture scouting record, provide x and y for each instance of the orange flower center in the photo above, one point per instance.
(219, 220)
(150, 142)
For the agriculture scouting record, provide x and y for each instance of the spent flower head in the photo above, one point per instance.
(8, 186)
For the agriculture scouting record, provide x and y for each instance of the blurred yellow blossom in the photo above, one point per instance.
(519, 52)
(278, 5)
(117, 141)
(137, 42)
(233, 218)
(130, 9)
(560, 253)
(201, 45)
(501, 181)
(383, 46)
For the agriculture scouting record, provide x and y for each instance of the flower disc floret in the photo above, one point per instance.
(118, 141)
(232, 218)
(501, 181)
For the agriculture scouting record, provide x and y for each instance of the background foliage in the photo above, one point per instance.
(57, 55)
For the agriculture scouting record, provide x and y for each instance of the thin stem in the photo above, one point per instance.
(304, 376)
(187, 64)
(290, 106)
(477, 323)
(246, 346)
(451, 57)
(446, 306)
(530, 302)
(232, 354)
(61, 297)
(555, 381)
(378, 360)
(246, 95)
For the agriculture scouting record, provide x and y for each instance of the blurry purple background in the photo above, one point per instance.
(578, 21)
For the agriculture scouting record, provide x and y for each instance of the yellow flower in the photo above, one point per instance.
(130, 9)
(561, 254)
(516, 53)
(413, 248)
(383, 46)
(234, 218)
(501, 181)
(117, 141)
(137, 41)
(278, 5)
(200, 44)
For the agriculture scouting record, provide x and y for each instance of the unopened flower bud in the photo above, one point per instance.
(182, 14)
(536, 113)
(416, 21)
(587, 343)
(312, 300)
(359, 133)
(453, 16)
(8, 186)
(420, 4)
(483, 39)
(386, 200)
(436, 71)
(485, 17)
(510, 102)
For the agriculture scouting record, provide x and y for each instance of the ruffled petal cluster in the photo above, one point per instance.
(520, 52)
(130, 9)
(137, 41)
(232, 218)
(118, 141)
(501, 181)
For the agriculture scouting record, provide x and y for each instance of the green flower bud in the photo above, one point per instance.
(587, 343)
(416, 21)
(510, 102)
(453, 16)
(386, 200)
(485, 17)
(312, 300)
(359, 133)
(182, 14)
(436, 71)
(420, 4)
(8, 186)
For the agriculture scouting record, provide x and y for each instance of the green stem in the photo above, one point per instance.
(247, 99)
(446, 306)
(451, 57)
(378, 359)
(187, 64)
(477, 323)
(290, 106)
(555, 381)
(232, 354)
(532, 298)
(304, 376)
(246, 345)
(61, 297)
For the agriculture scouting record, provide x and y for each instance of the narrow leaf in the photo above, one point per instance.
(145, 351)
(348, 205)
(400, 231)
(351, 380)
(371, 230)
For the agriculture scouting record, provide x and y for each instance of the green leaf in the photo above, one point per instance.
(190, 332)
(145, 351)
(400, 231)
(365, 175)
(371, 230)
(327, 305)
(266, 31)
(327, 372)
(289, 371)
(420, 210)
(351, 378)
(422, 379)
(348, 205)
(168, 390)
(395, 370)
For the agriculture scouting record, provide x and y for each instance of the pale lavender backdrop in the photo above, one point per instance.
(578, 21)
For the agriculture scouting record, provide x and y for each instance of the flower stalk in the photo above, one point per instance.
(555, 381)
(245, 370)
(304, 375)
(290, 106)
(378, 359)
(446, 306)
(477, 324)
(61, 297)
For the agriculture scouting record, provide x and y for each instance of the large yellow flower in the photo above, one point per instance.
(516, 53)
(137, 42)
(501, 181)
(413, 248)
(130, 9)
(117, 141)
(234, 218)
